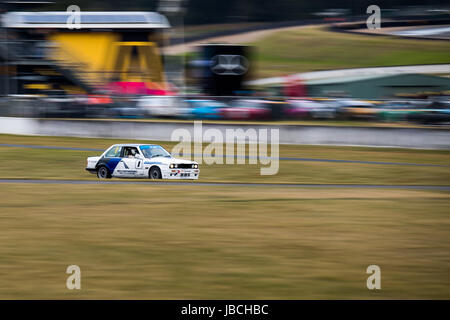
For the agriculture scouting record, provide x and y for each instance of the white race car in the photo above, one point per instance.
(141, 161)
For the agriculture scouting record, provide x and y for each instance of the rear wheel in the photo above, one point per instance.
(155, 173)
(103, 173)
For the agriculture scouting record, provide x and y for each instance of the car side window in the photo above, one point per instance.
(114, 152)
(130, 152)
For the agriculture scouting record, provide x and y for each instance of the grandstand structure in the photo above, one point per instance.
(43, 52)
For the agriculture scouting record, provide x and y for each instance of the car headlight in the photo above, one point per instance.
(173, 165)
(195, 166)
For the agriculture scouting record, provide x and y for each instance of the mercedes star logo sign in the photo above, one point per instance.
(229, 64)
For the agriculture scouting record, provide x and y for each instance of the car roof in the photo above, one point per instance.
(134, 144)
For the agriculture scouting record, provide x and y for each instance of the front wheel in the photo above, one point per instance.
(103, 173)
(155, 173)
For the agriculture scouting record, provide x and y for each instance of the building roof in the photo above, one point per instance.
(369, 77)
(88, 20)
(345, 79)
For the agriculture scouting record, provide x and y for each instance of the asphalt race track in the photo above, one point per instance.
(246, 157)
(224, 184)
(438, 32)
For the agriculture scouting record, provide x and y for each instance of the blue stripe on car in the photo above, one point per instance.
(112, 163)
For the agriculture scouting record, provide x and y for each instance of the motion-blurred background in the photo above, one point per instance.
(257, 60)
(363, 118)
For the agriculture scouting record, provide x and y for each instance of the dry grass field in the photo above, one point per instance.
(224, 242)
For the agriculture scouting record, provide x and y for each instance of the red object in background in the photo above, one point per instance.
(138, 88)
(239, 113)
(334, 19)
(294, 87)
(296, 112)
(98, 100)
(247, 110)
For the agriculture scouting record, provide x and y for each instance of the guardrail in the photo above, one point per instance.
(288, 134)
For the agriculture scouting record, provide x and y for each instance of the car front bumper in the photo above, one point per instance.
(192, 174)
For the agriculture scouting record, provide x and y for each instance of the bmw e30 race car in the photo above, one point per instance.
(141, 161)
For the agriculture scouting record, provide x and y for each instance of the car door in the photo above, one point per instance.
(139, 165)
(133, 167)
(127, 165)
(130, 167)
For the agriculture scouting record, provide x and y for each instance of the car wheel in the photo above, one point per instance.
(103, 173)
(155, 173)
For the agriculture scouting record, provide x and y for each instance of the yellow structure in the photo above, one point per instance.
(101, 57)
(104, 48)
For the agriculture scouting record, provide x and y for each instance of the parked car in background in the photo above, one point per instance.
(204, 109)
(63, 107)
(356, 109)
(437, 112)
(301, 108)
(398, 110)
(162, 106)
(119, 107)
(297, 109)
(248, 109)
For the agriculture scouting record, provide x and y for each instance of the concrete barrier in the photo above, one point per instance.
(433, 138)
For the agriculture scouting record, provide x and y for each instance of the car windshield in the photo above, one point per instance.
(154, 151)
